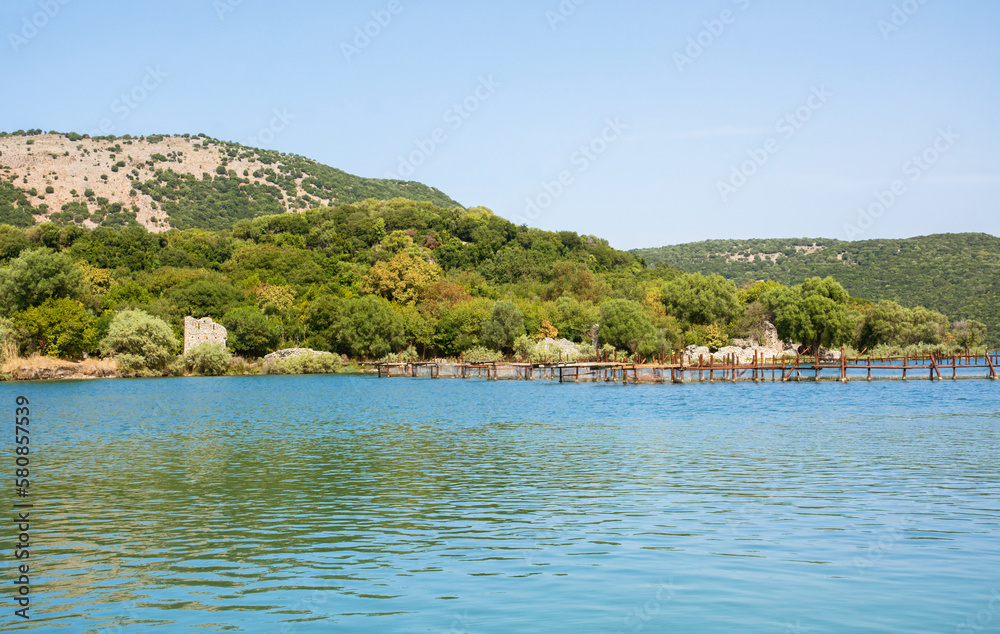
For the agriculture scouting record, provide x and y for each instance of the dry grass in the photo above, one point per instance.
(8, 350)
(38, 367)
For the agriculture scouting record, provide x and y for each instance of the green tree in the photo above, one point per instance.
(700, 299)
(753, 292)
(814, 312)
(57, 328)
(969, 333)
(38, 275)
(625, 325)
(139, 341)
(402, 279)
(12, 242)
(889, 323)
(361, 327)
(126, 292)
(459, 326)
(576, 318)
(205, 298)
(505, 324)
(250, 332)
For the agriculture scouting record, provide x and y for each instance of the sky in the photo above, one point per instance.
(644, 123)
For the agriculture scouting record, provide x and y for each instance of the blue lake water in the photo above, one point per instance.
(318, 504)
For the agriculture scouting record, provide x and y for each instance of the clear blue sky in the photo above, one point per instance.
(866, 93)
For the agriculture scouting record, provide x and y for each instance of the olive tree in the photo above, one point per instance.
(139, 341)
(38, 275)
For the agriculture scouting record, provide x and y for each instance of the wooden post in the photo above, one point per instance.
(843, 364)
(906, 361)
(869, 367)
(993, 371)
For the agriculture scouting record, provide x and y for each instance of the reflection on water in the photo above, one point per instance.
(312, 504)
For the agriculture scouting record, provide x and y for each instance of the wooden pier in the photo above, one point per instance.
(678, 369)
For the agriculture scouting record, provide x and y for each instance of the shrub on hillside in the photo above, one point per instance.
(325, 363)
(208, 359)
(139, 341)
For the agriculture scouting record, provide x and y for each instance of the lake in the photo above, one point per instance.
(345, 503)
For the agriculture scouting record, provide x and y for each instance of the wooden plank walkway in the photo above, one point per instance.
(680, 370)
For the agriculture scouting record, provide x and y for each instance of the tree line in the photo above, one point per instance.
(380, 278)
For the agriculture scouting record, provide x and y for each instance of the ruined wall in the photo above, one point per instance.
(198, 331)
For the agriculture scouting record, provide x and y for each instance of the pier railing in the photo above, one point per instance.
(685, 369)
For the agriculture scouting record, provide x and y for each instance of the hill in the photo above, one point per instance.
(957, 274)
(163, 182)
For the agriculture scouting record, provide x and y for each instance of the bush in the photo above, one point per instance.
(710, 336)
(131, 364)
(406, 356)
(550, 352)
(524, 348)
(325, 363)
(208, 359)
(479, 353)
(143, 341)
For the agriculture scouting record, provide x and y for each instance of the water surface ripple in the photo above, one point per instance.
(316, 504)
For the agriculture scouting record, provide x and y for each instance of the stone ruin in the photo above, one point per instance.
(197, 331)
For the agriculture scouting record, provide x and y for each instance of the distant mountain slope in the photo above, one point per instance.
(170, 181)
(957, 274)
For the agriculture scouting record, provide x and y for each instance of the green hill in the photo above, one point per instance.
(957, 274)
(163, 182)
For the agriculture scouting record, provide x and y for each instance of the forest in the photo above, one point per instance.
(957, 274)
(377, 278)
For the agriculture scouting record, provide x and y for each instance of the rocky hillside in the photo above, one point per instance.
(957, 274)
(170, 181)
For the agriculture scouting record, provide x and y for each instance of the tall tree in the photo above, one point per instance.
(38, 275)
(814, 312)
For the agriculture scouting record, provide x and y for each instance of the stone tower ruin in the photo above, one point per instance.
(197, 331)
